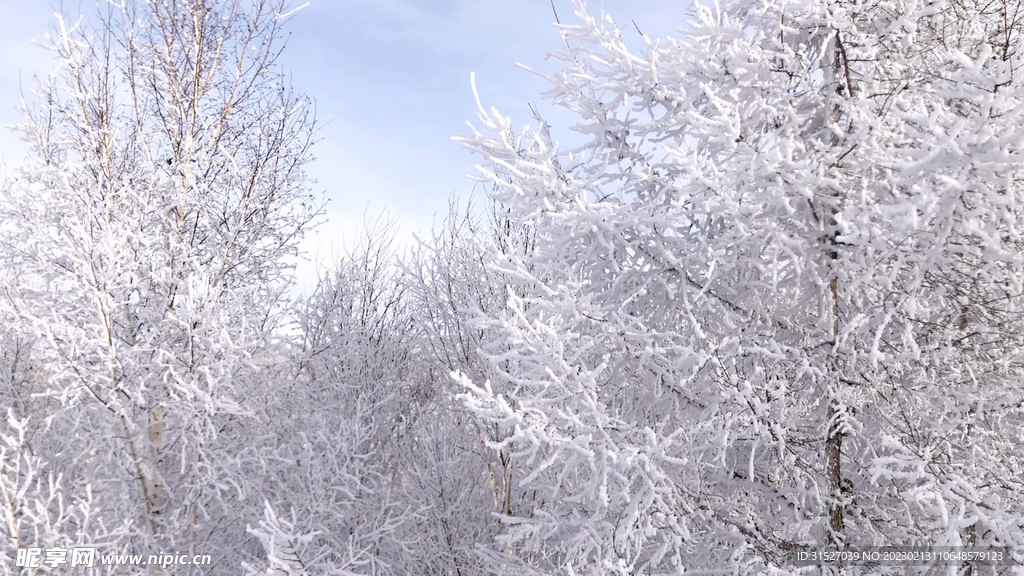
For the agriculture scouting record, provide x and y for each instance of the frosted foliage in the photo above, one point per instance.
(768, 304)
(144, 242)
(773, 300)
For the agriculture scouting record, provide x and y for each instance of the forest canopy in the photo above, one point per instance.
(767, 306)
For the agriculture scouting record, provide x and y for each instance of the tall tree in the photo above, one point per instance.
(773, 300)
(164, 193)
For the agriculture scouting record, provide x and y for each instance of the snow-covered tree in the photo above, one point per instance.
(148, 238)
(458, 481)
(771, 302)
(773, 298)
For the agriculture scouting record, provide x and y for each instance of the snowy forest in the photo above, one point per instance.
(770, 303)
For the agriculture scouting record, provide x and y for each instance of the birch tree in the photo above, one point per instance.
(151, 228)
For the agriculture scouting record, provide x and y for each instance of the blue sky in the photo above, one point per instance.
(391, 83)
